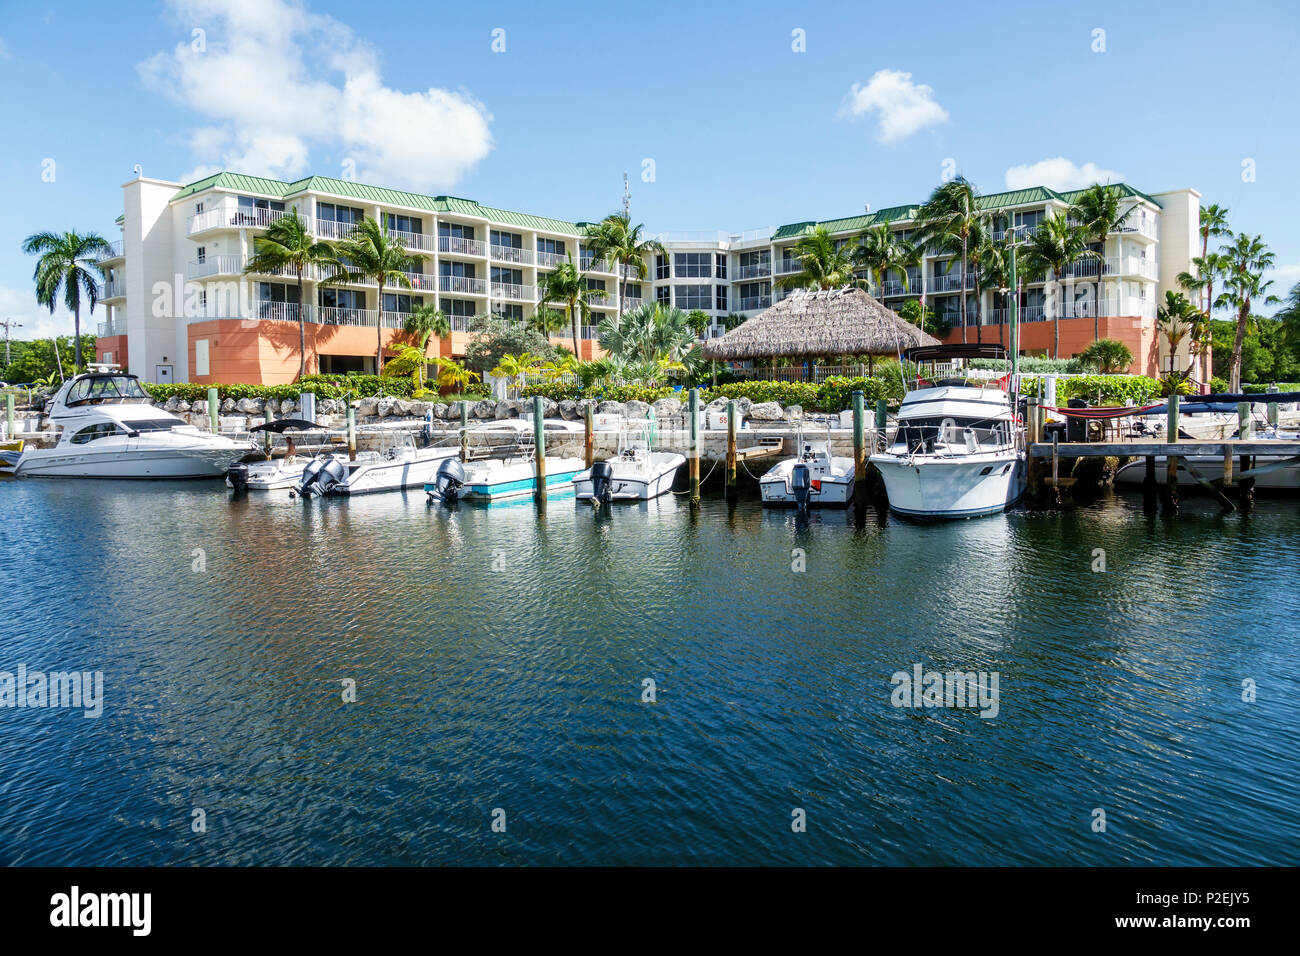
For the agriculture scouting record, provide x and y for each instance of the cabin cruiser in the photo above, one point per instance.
(636, 473)
(959, 449)
(812, 479)
(401, 464)
(502, 462)
(109, 429)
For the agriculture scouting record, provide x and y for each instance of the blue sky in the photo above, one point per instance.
(743, 130)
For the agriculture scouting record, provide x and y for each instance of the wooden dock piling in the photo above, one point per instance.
(882, 423)
(214, 412)
(1245, 424)
(539, 442)
(464, 430)
(588, 434)
(732, 493)
(9, 416)
(693, 452)
(352, 431)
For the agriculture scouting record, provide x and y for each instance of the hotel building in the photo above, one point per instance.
(181, 308)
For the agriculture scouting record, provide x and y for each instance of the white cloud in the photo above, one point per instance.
(37, 323)
(901, 107)
(1284, 277)
(274, 80)
(1060, 174)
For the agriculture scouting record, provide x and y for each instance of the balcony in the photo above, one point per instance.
(549, 260)
(589, 264)
(114, 251)
(631, 272)
(512, 254)
(760, 271)
(601, 301)
(411, 240)
(420, 282)
(1028, 313)
(330, 229)
(1114, 266)
(754, 302)
(462, 284)
(1141, 223)
(233, 217)
(113, 289)
(454, 245)
(787, 267)
(111, 328)
(513, 292)
(278, 312)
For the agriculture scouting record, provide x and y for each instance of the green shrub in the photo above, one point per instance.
(833, 395)
(1106, 389)
(560, 390)
(352, 385)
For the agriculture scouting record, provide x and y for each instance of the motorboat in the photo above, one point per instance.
(959, 448)
(814, 478)
(109, 429)
(271, 471)
(636, 473)
(1280, 473)
(502, 462)
(402, 464)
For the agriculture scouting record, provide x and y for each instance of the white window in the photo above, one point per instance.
(201, 357)
(108, 358)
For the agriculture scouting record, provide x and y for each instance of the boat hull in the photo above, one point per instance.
(516, 479)
(166, 462)
(1211, 466)
(394, 475)
(943, 488)
(626, 485)
(830, 489)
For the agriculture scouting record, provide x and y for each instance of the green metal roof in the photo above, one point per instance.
(350, 189)
(120, 220)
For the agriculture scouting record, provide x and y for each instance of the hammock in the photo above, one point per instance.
(1103, 414)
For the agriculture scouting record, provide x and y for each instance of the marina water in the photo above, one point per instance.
(500, 659)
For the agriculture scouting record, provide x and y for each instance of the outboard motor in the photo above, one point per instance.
(237, 474)
(801, 484)
(602, 476)
(320, 476)
(449, 480)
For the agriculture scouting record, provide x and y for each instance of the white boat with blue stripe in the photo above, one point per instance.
(501, 463)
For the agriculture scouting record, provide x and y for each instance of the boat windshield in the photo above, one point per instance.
(97, 389)
(949, 435)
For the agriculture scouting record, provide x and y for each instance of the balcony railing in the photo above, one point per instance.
(599, 301)
(786, 267)
(114, 251)
(111, 328)
(549, 260)
(754, 302)
(329, 229)
(456, 246)
(1114, 266)
(759, 271)
(462, 284)
(234, 217)
(590, 264)
(513, 291)
(113, 289)
(420, 282)
(412, 240)
(631, 272)
(512, 254)
(279, 312)
(1028, 313)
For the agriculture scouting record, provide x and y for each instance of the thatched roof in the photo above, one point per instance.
(810, 324)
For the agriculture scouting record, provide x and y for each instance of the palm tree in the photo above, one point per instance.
(1098, 211)
(992, 262)
(951, 212)
(426, 321)
(567, 286)
(1246, 259)
(67, 265)
(370, 254)
(1055, 245)
(826, 265)
(1109, 356)
(881, 250)
(515, 367)
(648, 333)
(619, 242)
(1174, 319)
(289, 245)
(451, 374)
(1213, 222)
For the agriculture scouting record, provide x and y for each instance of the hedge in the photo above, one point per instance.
(832, 395)
(1101, 389)
(323, 386)
(559, 391)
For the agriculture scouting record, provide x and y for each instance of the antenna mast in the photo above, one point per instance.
(627, 198)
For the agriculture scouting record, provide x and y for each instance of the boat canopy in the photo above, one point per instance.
(942, 353)
(281, 425)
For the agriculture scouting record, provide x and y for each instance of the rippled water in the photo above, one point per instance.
(499, 659)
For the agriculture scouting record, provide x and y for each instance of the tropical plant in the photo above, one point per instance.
(824, 262)
(515, 367)
(371, 254)
(949, 216)
(1208, 266)
(288, 245)
(492, 338)
(1175, 318)
(1056, 245)
(1175, 383)
(67, 267)
(697, 320)
(424, 322)
(649, 333)
(881, 250)
(1106, 357)
(567, 286)
(1097, 208)
(1245, 261)
(991, 259)
(412, 360)
(619, 242)
(453, 375)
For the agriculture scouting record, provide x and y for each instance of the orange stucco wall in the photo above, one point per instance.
(115, 344)
(1076, 335)
(257, 352)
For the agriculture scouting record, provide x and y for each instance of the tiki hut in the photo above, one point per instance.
(819, 324)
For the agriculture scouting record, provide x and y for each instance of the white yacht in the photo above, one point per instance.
(503, 463)
(812, 479)
(636, 473)
(108, 429)
(959, 450)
